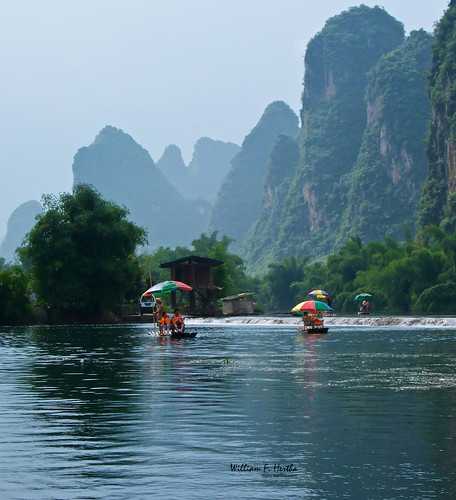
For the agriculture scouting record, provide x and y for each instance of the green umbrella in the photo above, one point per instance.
(363, 296)
(167, 287)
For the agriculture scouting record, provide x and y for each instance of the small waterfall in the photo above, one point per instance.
(287, 321)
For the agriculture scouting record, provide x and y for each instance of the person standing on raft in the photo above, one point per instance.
(159, 313)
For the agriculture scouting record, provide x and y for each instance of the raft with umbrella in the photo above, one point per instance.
(163, 288)
(313, 307)
(319, 295)
(361, 297)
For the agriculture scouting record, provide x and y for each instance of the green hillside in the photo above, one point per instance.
(362, 159)
(384, 185)
(438, 202)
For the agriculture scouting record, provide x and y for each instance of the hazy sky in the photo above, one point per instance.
(164, 71)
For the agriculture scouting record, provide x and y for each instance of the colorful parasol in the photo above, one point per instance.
(319, 294)
(363, 296)
(168, 287)
(314, 306)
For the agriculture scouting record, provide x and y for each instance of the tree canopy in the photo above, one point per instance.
(81, 254)
(14, 301)
(414, 277)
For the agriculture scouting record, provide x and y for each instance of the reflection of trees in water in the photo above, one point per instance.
(85, 375)
(173, 367)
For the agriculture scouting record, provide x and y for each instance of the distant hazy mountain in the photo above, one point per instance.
(210, 163)
(354, 168)
(238, 203)
(258, 245)
(20, 223)
(123, 171)
(172, 166)
(202, 177)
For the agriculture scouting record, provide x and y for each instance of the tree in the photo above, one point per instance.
(277, 289)
(13, 296)
(81, 253)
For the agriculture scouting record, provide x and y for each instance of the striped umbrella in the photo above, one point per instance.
(319, 294)
(313, 306)
(168, 287)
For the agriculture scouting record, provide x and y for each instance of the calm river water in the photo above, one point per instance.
(240, 411)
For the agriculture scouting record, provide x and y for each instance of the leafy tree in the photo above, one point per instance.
(437, 299)
(14, 302)
(81, 252)
(278, 292)
(449, 248)
(150, 264)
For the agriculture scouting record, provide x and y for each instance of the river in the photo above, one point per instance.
(247, 409)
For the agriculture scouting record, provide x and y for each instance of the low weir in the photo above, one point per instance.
(358, 321)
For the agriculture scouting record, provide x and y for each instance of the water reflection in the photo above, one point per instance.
(360, 413)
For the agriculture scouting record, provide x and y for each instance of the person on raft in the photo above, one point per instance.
(178, 322)
(158, 314)
(308, 320)
(318, 320)
(166, 324)
(365, 307)
(312, 321)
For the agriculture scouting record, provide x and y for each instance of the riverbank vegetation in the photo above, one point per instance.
(414, 277)
(78, 264)
(417, 276)
(80, 257)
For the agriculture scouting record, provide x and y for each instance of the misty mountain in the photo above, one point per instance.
(173, 167)
(355, 167)
(258, 244)
(238, 202)
(123, 172)
(20, 223)
(210, 162)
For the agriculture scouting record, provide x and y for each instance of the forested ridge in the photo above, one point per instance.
(438, 201)
(362, 156)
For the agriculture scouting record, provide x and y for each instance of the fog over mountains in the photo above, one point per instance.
(353, 164)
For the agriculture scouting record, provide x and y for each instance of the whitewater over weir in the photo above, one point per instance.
(358, 321)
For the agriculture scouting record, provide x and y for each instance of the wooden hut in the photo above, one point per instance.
(198, 272)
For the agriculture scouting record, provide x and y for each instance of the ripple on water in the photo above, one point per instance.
(113, 412)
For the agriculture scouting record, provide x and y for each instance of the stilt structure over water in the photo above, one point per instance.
(198, 272)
